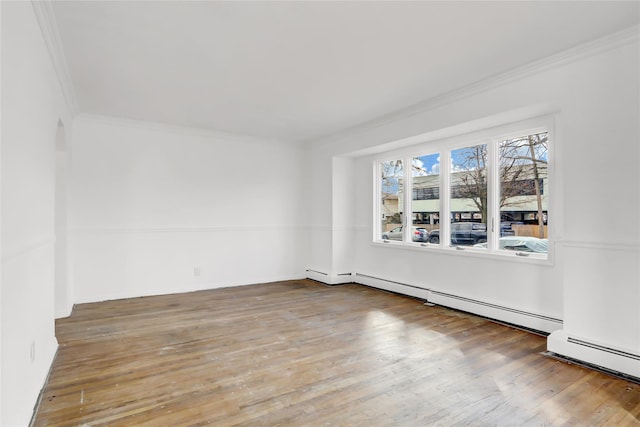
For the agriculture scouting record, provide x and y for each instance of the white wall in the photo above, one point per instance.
(63, 294)
(151, 203)
(593, 283)
(32, 104)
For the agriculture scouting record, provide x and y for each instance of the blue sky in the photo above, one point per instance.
(430, 162)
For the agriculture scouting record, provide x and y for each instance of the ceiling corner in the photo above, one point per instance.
(46, 21)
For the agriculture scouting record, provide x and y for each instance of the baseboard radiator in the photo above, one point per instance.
(526, 319)
(606, 349)
(392, 286)
(624, 361)
(329, 279)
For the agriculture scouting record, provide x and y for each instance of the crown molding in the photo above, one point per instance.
(43, 10)
(574, 54)
(182, 130)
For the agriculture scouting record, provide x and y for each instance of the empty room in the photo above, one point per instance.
(320, 213)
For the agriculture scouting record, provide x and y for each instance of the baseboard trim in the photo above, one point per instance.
(604, 348)
(36, 406)
(87, 299)
(601, 369)
(327, 278)
(623, 361)
(526, 319)
(392, 286)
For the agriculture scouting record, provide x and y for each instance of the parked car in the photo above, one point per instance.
(506, 229)
(463, 233)
(521, 244)
(418, 234)
(470, 233)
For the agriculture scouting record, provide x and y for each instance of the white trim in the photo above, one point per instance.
(491, 137)
(538, 121)
(604, 44)
(329, 278)
(392, 286)
(43, 11)
(536, 321)
(66, 312)
(594, 245)
(600, 354)
(183, 289)
(326, 228)
(32, 245)
(377, 198)
(506, 256)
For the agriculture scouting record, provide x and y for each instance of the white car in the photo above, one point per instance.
(521, 244)
(418, 235)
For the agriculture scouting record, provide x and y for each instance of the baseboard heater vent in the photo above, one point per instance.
(329, 279)
(603, 348)
(595, 367)
(392, 286)
(498, 307)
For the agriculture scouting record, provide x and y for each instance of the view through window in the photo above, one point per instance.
(496, 200)
(391, 177)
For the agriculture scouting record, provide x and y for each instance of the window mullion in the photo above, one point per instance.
(377, 193)
(445, 197)
(407, 221)
(493, 196)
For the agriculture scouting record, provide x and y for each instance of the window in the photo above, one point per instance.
(522, 200)
(469, 196)
(425, 191)
(495, 188)
(391, 174)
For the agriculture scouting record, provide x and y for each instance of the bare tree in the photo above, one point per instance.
(523, 162)
(528, 156)
(471, 172)
(392, 174)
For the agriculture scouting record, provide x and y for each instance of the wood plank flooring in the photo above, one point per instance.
(301, 353)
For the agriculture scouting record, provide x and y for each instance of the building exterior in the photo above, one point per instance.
(519, 204)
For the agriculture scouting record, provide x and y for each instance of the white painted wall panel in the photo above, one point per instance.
(32, 104)
(132, 263)
(603, 288)
(151, 203)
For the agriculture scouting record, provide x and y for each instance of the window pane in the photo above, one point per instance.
(524, 193)
(391, 199)
(469, 196)
(425, 200)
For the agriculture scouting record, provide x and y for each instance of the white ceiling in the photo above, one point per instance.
(301, 70)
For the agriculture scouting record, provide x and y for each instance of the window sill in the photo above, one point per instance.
(531, 258)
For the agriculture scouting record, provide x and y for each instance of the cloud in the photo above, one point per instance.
(435, 169)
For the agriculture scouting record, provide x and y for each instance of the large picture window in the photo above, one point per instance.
(486, 196)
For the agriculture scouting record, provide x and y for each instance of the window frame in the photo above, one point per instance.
(492, 136)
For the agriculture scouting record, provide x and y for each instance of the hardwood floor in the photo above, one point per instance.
(300, 353)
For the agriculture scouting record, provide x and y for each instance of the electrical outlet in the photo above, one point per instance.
(32, 351)
(196, 271)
